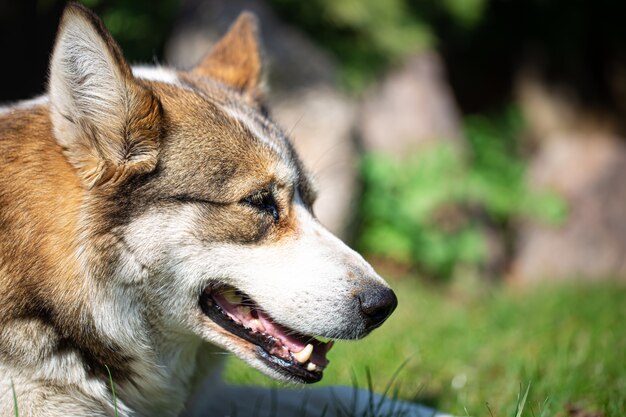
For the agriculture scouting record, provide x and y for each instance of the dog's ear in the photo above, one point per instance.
(107, 122)
(236, 59)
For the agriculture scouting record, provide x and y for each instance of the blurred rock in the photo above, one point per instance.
(411, 107)
(302, 97)
(578, 156)
(588, 171)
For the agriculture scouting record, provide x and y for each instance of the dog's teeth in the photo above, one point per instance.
(232, 297)
(311, 367)
(304, 354)
(257, 325)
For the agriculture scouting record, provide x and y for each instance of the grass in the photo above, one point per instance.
(112, 390)
(495, 352)
(16, 410)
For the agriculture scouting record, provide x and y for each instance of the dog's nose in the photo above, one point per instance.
(377, 304)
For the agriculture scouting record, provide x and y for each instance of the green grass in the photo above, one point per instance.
(477, 354)
(16, 410)
(112, 390)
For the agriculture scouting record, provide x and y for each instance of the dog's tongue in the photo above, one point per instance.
(304, 348)
(294, 342)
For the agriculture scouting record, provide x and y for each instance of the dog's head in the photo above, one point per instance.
(197, 220)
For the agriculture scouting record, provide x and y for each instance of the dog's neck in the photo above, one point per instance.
(162, 382)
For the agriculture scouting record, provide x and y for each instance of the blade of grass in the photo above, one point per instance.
(15, 409)
(544, 407)
(339, 407)
(394, 404)
(371, 408)
(112, 390)
(488, 408)
(521, 403)
(390, 384)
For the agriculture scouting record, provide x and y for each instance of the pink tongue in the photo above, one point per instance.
(295, 342)
(288, 338)
(290, 341)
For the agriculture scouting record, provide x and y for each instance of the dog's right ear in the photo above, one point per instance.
(107, 122)
(236, 58)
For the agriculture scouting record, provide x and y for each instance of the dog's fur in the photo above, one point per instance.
(124, 194)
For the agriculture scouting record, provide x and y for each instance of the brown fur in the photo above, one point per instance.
(235, 59)
(38, 242)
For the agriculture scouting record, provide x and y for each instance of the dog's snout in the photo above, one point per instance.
(376, 305)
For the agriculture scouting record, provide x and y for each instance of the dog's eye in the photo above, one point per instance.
(263, 201)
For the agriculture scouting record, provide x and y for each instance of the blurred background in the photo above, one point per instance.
(473, 150)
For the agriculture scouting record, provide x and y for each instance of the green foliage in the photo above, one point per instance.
(401, 202)
(497, 180)
(366, 36)
(140, 26)
(431, 209)
(466, 13)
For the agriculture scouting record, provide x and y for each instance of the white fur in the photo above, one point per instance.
(86, 84)
(157, 73)
(163, 371)
(25, 104)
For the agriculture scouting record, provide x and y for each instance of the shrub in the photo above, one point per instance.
(432, 208)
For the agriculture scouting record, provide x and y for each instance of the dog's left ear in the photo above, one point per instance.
(236, 58)
(106, 120)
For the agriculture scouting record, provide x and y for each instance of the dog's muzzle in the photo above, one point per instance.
(301, 357)
(298, 356)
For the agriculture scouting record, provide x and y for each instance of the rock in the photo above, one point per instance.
(588, 171)
(578, 156)
(303, 97)
(411, 107)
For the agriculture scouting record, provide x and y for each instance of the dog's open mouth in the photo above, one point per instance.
(301, 357)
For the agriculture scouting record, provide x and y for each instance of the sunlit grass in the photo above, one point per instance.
(469, 355)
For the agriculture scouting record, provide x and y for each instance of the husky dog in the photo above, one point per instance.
(150, 217)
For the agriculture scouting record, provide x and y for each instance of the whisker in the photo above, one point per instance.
(290, 132)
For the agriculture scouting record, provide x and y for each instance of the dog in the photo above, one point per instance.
(151, 218)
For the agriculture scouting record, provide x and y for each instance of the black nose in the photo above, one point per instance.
(377, 304)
